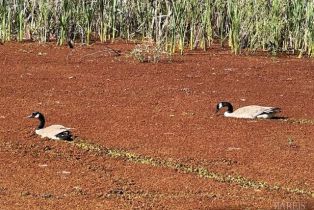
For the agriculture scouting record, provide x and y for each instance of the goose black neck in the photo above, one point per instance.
(228, 105)
(41, 119)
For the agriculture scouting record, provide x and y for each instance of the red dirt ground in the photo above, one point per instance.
(165, 111)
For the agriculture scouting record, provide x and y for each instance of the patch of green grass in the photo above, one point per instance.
(197, 170)
(143, 194)
(87, 146)
(299, 121)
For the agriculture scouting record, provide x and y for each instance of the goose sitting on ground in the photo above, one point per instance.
(248, 112)
(56, 132)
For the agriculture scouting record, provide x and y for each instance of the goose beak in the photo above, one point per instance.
(30, 116)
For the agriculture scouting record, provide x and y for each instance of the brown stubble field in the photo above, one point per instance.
(148, 135)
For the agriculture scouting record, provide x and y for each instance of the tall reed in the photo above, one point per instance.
(175, 25)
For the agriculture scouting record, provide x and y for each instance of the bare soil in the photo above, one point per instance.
(160, 119)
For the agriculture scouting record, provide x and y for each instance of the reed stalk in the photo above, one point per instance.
(175, 25)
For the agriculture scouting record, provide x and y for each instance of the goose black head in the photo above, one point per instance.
(224, 104)
(40, 117)
(35, 115)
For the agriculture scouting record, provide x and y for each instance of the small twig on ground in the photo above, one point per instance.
(108, 50)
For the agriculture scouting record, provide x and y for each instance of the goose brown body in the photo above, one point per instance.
(56, 132)
(249, 112)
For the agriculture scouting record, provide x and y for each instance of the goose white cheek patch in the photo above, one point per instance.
(37, 116)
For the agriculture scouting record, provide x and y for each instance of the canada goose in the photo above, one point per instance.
(56, 132)
(248, 112)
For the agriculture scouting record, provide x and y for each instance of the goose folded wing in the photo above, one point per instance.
(65, 135)
(54, 131)
(270, 110)
(254, 111)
